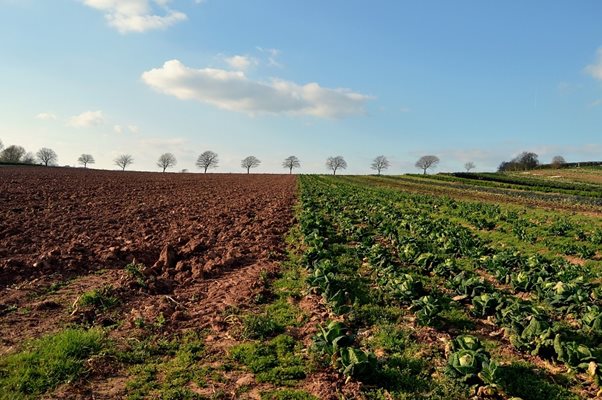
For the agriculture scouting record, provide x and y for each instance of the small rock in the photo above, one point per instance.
(168, 257)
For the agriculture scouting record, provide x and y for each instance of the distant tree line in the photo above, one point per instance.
(209, 160)
(527, 160)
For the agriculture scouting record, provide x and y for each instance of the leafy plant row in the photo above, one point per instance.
(432, 246)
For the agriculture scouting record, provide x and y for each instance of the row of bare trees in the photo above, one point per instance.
(207, 160)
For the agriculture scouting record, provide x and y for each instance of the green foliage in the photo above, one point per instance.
(356, 363)
(486, 304)
(523, 381)
(100, 299)
(330, 339)
(48, 362)
(427, 310)
(469, 361)
(287, 394)
(164, 368)
(277, 361)
(414, 247)
(260, 326)
(135, 271)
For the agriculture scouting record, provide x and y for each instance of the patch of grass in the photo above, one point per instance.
(392, 339)
(48, 362)
(372, 314)
(287, 394)
(165, 368)
(260, 326)
(291, 283)
(284, 313)
(101, 299)
(277, 361)
(456, 317)
(522, 380)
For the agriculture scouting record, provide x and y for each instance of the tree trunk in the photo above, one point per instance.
(424, 173)
(248, 169)
(164, 168)
(290, 171)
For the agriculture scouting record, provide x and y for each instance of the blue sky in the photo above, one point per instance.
(465, 80)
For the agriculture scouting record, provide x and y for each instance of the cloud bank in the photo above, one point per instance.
(137, 15)
(234, 91)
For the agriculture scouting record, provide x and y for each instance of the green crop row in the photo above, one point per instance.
(433, 267)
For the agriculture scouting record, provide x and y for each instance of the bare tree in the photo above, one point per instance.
(469, 165)
(167, 160)
(426, 162)
(250, 162)
(379, 164)
(28, 158)
(123, 161)
(47, 156)
(86, 159)
(207, 160)
(336, 163)
(12, 154)
(558, 161)
(291, 162)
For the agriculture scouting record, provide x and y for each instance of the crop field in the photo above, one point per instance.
(218, 286)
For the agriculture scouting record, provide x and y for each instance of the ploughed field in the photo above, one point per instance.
(128, 250)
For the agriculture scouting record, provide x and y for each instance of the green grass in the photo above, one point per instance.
(261, 326)
(165, 368)
(100, 299)
(278, 361)
(522, 380)
(47, 362)
(287, 394)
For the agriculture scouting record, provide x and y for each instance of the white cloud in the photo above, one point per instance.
(46, 116)
(272, 55)
(137, 15)
(130, 128)
(405, 109)
(232, 90)
(240, 63)
(86, 119)
(595, 70)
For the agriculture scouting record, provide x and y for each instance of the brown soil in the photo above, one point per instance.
(201, 241)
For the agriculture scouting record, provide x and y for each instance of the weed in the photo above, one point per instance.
(277, 361)
(260, 326)
(101, 299)
(135, 271)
